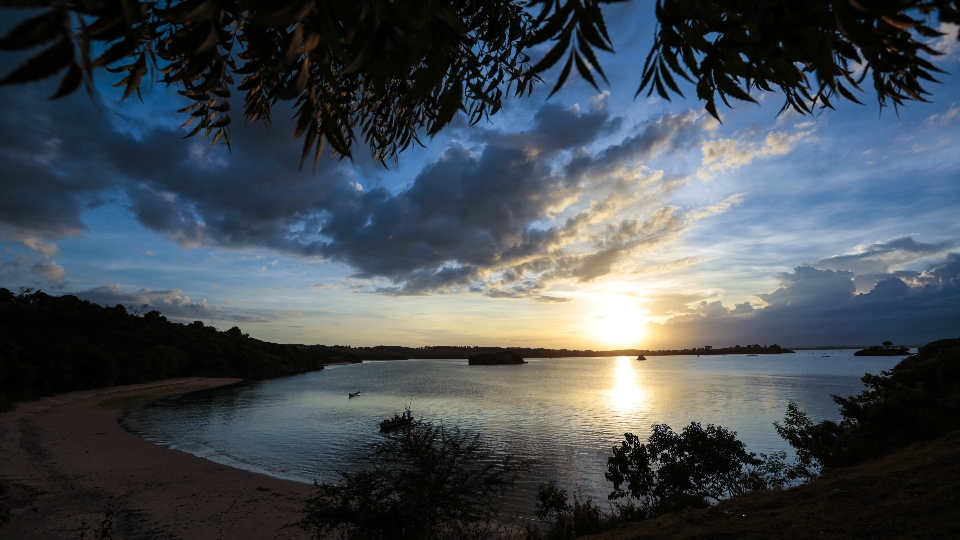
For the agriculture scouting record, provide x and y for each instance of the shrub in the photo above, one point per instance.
(424, 482)
(692, 469)
(919, 399)
(565, 520)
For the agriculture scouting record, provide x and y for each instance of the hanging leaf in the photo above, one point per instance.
(43, 65)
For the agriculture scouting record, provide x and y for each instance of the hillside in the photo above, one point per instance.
(54, 344)
(911, 493)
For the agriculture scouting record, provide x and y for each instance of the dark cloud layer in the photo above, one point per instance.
(475, 219)
(821, 307)
(874, 263)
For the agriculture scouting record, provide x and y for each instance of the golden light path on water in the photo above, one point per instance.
(627, 393)
(565, 413)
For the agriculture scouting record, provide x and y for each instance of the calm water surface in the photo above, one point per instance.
(566, 413)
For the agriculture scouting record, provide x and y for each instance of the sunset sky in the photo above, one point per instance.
(586, 220)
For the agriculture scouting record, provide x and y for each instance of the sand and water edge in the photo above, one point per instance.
(68, 466)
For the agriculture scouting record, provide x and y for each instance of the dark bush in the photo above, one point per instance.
(919, 399)
(565, 521)
(425, 482)
(692, 469)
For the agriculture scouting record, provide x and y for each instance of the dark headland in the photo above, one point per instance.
(887, 349)
(495, 358)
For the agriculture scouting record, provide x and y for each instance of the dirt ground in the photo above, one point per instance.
(69, 470)
(914, 493)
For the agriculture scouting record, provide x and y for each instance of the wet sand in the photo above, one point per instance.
(67, 466)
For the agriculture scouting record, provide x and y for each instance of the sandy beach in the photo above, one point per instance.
(68, 469)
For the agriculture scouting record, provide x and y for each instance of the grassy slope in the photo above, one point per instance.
(911, 493)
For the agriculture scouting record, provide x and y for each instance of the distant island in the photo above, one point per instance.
(887, 349)
(495, 358)
(398, 352)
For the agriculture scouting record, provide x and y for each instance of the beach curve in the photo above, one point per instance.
(69, 466)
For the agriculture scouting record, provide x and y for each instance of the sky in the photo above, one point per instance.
(587, 220)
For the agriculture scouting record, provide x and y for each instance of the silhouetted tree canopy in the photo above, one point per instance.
(691, 469)
(917, 400)
(381, 71)
(54, 344)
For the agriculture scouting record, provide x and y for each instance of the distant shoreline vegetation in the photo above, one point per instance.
(887, 349)
(51, 344)
(398, 352)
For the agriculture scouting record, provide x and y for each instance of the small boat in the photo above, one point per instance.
(641, 357)
(354, 394)
(398, 421)
(751, 355)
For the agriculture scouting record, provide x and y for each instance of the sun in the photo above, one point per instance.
(617, 321)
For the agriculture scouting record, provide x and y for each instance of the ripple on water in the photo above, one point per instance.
(566, 413)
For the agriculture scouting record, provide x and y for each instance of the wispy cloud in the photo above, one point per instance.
(729, 154)
(941, 119)
(173, 303)
(670, 266)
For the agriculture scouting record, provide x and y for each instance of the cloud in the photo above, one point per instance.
(729, 154)
(950, 115)
(50, 271)
(947, 43)
(875, 262)
(505, 214)
(173, 303)
(44, 249)
(670, 266)
(821, 307)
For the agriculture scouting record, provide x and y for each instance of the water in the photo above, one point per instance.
(566, 413)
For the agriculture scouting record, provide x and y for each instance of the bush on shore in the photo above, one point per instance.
(917, 400)
(424, 482)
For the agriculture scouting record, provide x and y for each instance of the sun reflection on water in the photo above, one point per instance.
(627, 394)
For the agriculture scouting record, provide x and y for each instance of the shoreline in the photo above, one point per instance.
(68, 464)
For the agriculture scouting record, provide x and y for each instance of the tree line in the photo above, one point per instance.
(399, 352)
(54, 344)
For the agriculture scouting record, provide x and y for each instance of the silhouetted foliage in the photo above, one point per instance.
(425, 482)
(811, 52)
(691, 469)
(381, 70)
(55, 344)
(919, 399)
(375, 70)
(565, 520)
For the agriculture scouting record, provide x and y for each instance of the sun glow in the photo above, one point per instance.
(617, 322)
